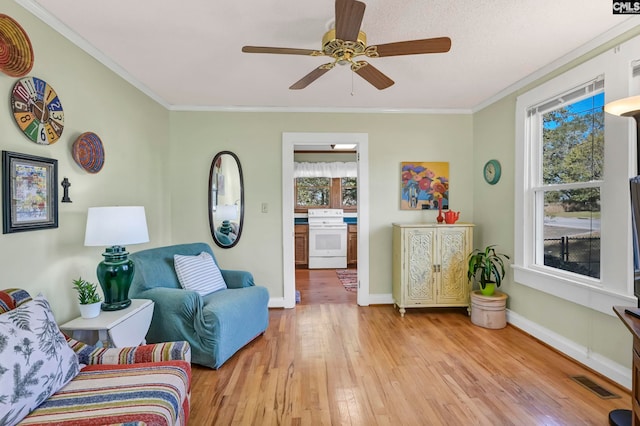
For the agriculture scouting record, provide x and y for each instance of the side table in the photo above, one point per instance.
(126, 327)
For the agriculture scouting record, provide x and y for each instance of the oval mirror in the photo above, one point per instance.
(226, 199)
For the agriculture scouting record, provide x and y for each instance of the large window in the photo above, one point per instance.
(572, 235)
(567, 197)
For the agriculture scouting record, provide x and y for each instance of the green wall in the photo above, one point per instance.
(135, 133)
(494, 136)
(257, 140)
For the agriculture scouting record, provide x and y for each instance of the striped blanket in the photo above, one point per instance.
(146, 393)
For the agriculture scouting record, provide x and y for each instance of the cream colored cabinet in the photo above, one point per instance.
(430, 265)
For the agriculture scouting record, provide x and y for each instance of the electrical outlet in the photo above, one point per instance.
(265, 208)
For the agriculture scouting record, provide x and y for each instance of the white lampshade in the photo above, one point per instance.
(227, 212)
(626, 107)
(116, 226)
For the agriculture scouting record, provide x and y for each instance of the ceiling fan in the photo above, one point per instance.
(346, 42)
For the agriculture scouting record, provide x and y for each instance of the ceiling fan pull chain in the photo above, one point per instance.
(352, 94)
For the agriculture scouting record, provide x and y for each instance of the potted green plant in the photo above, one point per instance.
(490, 266)
(88, 298)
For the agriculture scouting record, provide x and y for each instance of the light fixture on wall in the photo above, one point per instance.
(628, 107)
(116, 227)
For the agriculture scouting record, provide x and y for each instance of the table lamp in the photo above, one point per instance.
(628, 107)
(116, 227)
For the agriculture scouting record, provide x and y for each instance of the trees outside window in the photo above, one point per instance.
(335, 193)
(572, 172)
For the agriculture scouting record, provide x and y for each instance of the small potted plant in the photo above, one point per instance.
(88, 298)
(490, 265)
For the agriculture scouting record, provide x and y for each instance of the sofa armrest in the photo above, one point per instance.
(170, 302)
(175, 314)
(11, 298)
(237, 279)
(93, 355)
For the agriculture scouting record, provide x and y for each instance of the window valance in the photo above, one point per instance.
(332, 170)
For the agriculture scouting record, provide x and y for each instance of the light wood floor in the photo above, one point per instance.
(340, 364)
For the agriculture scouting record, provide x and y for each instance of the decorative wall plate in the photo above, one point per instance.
(16, 52)
(88, 152)
(37, 110)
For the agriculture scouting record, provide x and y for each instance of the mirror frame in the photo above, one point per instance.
(211, 201)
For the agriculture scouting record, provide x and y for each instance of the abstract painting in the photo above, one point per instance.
(424, 185)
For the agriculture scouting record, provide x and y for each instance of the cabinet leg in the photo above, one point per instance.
(402, 311)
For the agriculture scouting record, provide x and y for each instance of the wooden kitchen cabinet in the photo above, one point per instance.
(352, 246)
(430, 265)
(302, 245)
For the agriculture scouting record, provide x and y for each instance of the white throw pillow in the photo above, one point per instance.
(199, 273)
(35, 359)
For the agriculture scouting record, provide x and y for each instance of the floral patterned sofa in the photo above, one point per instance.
(47, 378)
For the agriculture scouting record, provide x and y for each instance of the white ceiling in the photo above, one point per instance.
(187, 54)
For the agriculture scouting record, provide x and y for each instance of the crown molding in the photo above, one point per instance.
(327, 110)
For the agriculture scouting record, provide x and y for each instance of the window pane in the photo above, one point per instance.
(313, 192)
(573, 142)
(349, 191)
(572, 230)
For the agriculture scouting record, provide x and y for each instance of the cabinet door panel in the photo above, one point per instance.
(302, 245)
(352, 246)
(454, 285)
(420, 257)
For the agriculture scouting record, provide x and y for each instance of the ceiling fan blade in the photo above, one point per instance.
(311, 77)
(280, 50)
(414, 47)
(349, 14)
(372, 75)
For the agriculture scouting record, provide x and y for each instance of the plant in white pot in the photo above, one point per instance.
(88, 298)
(490, 265)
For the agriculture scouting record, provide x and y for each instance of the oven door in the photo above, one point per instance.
(328, 241)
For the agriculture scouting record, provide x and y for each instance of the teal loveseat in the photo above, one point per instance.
(216, 325)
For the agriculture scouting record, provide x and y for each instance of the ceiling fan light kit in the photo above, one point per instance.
(347, 41)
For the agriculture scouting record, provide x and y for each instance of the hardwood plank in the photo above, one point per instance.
(337, 363)
(321, 286)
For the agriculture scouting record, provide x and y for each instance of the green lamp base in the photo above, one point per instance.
(115, 274)
(225, 228)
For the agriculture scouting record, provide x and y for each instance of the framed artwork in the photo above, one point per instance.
(425, 185)
(29, 192)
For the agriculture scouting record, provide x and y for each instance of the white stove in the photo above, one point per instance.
(327, 239)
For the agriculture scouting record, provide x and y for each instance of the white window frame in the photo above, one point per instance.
(615, 286)
(538, 188)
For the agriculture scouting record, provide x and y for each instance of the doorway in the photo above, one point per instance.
(289, 141)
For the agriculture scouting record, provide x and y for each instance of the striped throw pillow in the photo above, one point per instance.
(198, 273)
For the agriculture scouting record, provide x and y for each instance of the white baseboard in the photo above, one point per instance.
(608, 368)
(276, 302)
(380, 299)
